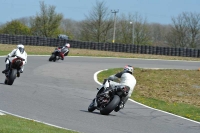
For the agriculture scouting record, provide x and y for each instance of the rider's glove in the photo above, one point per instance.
(6, 59)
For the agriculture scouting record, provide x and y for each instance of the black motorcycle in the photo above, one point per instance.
(109, 98)
(14, 67)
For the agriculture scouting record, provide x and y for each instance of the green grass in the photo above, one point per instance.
(11, 124)
(4, 52)
(173, 91)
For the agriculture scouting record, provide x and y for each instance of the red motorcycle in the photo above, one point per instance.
(56, 55)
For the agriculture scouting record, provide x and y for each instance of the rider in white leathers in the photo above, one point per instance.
(22, 53)
(126, 78)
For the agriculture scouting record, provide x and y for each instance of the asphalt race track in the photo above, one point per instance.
(59, 93)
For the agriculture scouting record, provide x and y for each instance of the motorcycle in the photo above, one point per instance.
(56, 54)
(14, 67)
(108, 98)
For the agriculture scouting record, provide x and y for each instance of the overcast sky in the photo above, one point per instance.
(158, 11)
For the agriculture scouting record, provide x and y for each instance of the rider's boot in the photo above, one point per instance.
(122, 103)
(7, 69)
(120, 106)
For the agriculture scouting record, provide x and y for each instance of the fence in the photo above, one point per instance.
(115, 47)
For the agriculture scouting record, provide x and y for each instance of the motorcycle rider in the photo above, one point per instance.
(23, 53)
(126, 78)
(64, 50)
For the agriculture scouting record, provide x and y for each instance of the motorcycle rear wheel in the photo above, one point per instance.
(111, 106)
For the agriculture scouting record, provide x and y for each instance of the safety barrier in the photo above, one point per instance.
(115, 47)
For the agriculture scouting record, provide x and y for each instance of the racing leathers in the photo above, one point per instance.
(11, 56)
(126, 78)
(64, 51)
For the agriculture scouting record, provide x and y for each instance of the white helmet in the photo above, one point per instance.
(67, 45)
(128, 68)
(21, 48)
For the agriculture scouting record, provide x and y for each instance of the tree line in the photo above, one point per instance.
(98, 26)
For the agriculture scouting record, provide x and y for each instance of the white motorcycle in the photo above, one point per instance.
(15, 65)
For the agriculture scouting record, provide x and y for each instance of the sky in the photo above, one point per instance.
(155, 11)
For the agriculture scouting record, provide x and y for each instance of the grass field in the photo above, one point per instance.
(174, 91)
(11, 124)
(43, 50)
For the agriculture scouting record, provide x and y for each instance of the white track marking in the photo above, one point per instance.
(2, 113)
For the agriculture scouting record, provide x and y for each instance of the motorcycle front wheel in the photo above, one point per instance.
(5, 81)
(91, 107)
(12, 77)
(111, 106)
(52, 57)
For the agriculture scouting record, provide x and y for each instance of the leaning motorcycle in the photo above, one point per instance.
(56, 54)
(14, 67)
(108, 98)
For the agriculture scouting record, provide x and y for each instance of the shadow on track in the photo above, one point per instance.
(97, 113)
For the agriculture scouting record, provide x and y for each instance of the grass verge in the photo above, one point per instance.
(44, 50)
(11, 124)
(173, 91)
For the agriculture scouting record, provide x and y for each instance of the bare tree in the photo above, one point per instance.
(185, 31)
(138, 29)
(124, 29)
(193, 24)
(46, 23)
(142, 32)
(70, 28)
(97, 25)
(177, 37)
(158, 33)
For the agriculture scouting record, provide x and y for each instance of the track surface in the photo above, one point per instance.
(60, 92)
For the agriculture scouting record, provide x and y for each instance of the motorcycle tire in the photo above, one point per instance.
(111, 106)
(91, 107)
(54, 57)
(51, 57)
(5, 81)
(12, 77)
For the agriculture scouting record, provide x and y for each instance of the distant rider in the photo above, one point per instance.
(64, 50)
(126, 78)
(23, 53)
